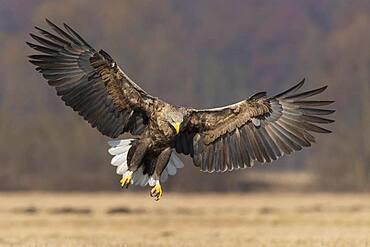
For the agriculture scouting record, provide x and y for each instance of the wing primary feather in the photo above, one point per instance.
(307, 93)
(294, 133)
(285, 138)
(73, 32)
(243, 155)
(247, 142)
(236, 152)
(205, 158)
(301, 123)
(262, 145)
(211, 157)
(246, 149)
(285, 148)
(226, 154)
(46, 42)
(53, 37)
(42, 48)
(197, 144)
(314, 102)
(315, 128)
(271, 142)
(315, 119)
(67, 84)
(241, 149)
(62, 33)
(311, 111)
(291, 90)
(221, 155)
(309, 137)
(216, 162)
(230, 154)
(270, 155)
(255, 147)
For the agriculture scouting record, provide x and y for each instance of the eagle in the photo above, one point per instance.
(260, 128)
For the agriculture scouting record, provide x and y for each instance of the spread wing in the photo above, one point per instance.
(259, 129)
(90, 82)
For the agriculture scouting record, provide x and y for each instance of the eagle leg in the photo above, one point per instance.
(126, 180)
(135, 158)
(160, 164)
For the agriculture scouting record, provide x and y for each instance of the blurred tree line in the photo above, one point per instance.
(193, 53)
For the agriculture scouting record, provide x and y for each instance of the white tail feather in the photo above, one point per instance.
(171, 169)
(176, 161)
(119, 159)
(173, 165)
(164, 176)
(116, 143)
(139, 178)
(121, 169)
(119, 149)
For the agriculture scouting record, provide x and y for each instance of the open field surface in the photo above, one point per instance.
(128, 219)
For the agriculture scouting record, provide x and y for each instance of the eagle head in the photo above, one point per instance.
(175, 119)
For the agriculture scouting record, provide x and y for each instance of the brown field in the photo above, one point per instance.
(127, 219)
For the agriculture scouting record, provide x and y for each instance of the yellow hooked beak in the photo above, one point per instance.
(177, 127)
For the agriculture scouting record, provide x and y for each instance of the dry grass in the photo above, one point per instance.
(127, 219)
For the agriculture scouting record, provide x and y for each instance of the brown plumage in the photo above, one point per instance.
(260, 128)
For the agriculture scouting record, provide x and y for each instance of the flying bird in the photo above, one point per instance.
(260, 128)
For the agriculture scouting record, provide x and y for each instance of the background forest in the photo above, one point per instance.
(193, 53)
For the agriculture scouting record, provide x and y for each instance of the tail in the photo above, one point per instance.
(120, 148)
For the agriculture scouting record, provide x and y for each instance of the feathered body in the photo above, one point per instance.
(259, 128)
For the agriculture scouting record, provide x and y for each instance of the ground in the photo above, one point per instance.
(128, 219)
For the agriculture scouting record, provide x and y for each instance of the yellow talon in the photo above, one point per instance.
(157, 191)
(126, 180)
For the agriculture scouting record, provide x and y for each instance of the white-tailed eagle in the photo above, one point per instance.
(260, 128)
